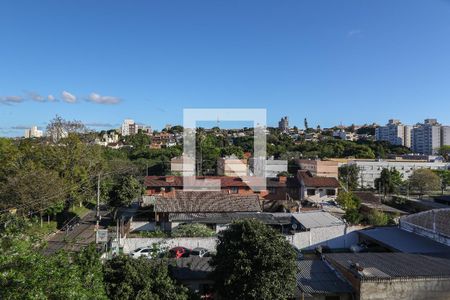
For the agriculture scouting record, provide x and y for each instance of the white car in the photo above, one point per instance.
(142, 251)
(200, 252)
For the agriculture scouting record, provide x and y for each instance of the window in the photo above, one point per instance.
(311, 192)
(331, 192)
(234, 190)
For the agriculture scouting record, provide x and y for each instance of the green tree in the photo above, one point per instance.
(125, 191)
(377, 218)
(254, 262)
(424, 180)
(351, 204)
(127, 278)
(389, 182)
(348, 175)
(445, 152)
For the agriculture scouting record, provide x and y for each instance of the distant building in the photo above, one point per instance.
(344, 135)
(317, 189)
(283, 124)
(370, 169)
(232, 166)
(426, 137)
(176, 166)
(445, 136)
(129, 127)
(321, 168)
(271, 166)
(33, 132)
(395, 133)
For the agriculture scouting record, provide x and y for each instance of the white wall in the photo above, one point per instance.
(129, 244)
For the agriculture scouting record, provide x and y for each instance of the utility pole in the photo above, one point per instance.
(98, 209)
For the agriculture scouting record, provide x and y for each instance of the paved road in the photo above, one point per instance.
(80, 236)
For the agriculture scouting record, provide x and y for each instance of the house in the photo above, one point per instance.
(321, 168)
(400, 276)
(232, 166)
(200, 202)
(268, 167)
(280, 188)
(317, 189)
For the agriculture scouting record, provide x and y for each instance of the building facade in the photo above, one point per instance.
(232, 166)
(322, 168)
(395, 133)
(426, 137)
(283, 124)
(33, 132)
(271, 167)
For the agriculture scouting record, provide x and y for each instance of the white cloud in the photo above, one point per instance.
(354, 33)
(99, 99)
(68, 97)
(51, 98)
(36, 97)
(11, 99)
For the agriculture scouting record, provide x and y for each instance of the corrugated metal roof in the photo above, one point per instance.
(316, 277)
(226, 218)
(403, 241)
(317, 219)
(388, 266)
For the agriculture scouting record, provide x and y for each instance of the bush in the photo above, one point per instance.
(193, 230)
(377, 218)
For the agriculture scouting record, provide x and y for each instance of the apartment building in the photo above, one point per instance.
(129, 127)
(283, 124)
(33, 132)
(426, 137)
(370, 170)
(395, 133)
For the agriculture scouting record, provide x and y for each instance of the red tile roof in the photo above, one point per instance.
(315, 181)
(206, 202)
(225, 181)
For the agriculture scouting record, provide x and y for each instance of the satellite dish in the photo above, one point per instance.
(294, 226)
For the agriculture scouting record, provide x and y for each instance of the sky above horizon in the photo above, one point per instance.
(332, 62)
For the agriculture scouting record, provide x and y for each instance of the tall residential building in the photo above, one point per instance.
(426, 137)
(128, 127)
(395, 133)
(33, 132)
(445, 136)
(283, 125)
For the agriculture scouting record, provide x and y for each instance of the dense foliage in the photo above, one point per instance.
(193, 230)
(127, 278)
(254, 262)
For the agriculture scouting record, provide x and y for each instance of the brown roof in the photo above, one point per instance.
(197, 202)
(315, 181)
(368, 197)
(225, 181)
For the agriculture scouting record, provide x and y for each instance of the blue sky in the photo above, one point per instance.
(330, 61)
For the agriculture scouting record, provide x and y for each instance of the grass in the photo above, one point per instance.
(46, 229)
(80, 211)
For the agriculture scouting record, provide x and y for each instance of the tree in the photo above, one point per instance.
(254, 262)
(444, 175)
(125, 191)
(351, 204)
(348, 174)
(58, 128)
(129, 278)
(445, 152)
(378, 218)
(389, 182)
(424, 180)
(306, 124)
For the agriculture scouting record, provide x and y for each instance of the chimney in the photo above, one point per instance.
(170, 178)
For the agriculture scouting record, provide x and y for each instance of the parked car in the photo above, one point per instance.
(200, 252)
(179, 252)
(142, 251)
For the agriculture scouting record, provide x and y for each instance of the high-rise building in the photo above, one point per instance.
(426, 137)
(395, 133)
(445, 136)
(283, 125)
(33, 132)
(127, 127)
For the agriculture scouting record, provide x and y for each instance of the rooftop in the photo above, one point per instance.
(317, 219)
(204, 202)
(316, 181)
(391, 266)
(436, 220)
(400, 240)
(226, 218)
(316, 277)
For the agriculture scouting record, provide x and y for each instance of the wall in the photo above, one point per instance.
(130, 244)
(334, 237)
(412, 289)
